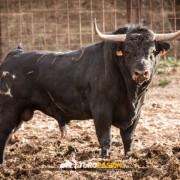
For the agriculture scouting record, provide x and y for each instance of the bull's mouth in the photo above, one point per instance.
(139, 80)
(140, 76)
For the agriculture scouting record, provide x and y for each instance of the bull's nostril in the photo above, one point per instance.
(145, 73)
(136, 73)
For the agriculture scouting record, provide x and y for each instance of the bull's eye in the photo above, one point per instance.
(127, 53)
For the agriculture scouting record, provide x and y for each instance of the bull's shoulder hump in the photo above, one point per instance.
(16, 51)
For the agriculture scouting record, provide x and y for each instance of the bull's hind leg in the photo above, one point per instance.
(8, 121)
(62, 121)
(62, 127)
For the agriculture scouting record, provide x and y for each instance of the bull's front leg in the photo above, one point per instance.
(102, 120)
(128, 135)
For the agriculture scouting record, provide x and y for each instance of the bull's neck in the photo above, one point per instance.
(134, 91)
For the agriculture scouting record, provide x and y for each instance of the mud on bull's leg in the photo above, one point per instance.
(102, 123)
(104, 138)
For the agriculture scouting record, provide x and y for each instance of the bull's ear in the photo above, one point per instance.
(119, 53)
(162, 48)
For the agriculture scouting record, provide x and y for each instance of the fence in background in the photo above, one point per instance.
(67, 24)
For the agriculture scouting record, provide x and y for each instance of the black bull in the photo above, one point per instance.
(106, 81)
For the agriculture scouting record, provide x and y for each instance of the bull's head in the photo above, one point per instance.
(140, 49)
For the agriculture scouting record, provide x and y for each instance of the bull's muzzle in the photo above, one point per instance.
(140, 75)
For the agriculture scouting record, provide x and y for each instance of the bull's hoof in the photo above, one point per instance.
(127, 151)
(104, 152)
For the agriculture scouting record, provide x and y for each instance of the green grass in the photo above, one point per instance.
(163, 83)
(170, 62)
(166, 68)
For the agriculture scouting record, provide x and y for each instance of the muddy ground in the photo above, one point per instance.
(36, 150)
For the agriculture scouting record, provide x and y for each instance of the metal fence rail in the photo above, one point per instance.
(67, 24)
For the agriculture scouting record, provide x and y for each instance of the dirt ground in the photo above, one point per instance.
(36, 150)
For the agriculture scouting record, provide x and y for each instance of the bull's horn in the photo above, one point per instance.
(167, 36)
(110, 37)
